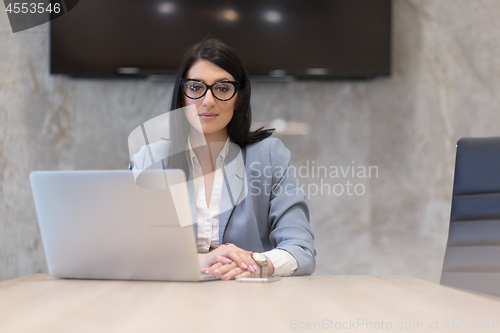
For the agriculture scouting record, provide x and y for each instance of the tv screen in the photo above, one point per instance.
(322, 39)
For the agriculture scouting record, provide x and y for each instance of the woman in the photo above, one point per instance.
(246, 200)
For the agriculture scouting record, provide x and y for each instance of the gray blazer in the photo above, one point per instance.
(274, 213)
(262, 206)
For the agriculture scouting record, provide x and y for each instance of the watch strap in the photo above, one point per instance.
(264, 270)
(263, 262)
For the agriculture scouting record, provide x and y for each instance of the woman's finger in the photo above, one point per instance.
(232, 273)
(224, 268)
(214, 258)
(222, 259)
(215, 266)
(209, 270)
(242, 258)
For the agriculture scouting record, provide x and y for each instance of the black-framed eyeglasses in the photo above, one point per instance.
(195, 89)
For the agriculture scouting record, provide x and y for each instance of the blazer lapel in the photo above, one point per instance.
(234, 189)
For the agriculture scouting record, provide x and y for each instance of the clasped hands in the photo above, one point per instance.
(231, 262)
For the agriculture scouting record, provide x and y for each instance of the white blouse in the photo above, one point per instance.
(208, 217)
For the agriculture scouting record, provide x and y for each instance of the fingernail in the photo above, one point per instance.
(224, 277)
(256, 268)
(229, 261)
(244, 265)
(216, 271)
(251, 268)
(206, 271)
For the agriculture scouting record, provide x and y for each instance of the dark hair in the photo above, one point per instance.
(225, 57)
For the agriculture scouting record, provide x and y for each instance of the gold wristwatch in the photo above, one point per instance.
(261, 260)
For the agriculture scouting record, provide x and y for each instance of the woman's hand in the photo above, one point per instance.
(231, 271)
(227, 254)
(219, 262)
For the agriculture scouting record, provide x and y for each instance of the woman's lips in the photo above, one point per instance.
(207, 115)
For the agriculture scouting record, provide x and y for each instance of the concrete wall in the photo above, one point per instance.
(446, 70)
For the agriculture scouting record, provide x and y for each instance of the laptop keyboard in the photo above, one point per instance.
(209, 276)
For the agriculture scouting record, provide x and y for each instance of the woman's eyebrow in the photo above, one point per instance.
(218, 80)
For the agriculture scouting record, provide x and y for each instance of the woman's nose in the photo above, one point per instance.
(208, 99)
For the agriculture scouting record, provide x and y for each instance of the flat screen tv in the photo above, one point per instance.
(276, 39)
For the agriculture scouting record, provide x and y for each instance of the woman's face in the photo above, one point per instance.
(211, 115)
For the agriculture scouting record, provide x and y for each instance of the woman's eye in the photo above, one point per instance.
(194, 88)
(223, 89)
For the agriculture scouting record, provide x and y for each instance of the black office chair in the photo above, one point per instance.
(472, 258)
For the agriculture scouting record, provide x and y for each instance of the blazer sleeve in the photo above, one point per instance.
(150, 156)
(288, 213)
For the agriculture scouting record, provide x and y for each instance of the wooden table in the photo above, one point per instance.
(40, 303)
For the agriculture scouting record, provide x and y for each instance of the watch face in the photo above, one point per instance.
(260, 258)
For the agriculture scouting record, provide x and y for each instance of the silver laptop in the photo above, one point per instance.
(103, 225)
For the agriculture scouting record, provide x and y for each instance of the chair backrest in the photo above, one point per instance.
(472, 258)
